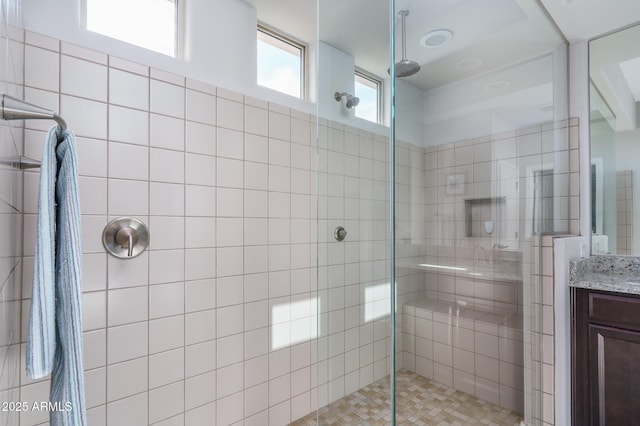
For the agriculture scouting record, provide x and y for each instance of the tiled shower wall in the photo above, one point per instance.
(212, 324)
(11, 51)
(624, 212)
(217, 320)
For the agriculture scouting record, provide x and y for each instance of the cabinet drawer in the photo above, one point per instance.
(612, 309)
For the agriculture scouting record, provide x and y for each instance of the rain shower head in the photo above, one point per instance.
(352, 101)
(405, 67)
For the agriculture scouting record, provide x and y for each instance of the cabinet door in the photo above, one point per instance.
(614, 376)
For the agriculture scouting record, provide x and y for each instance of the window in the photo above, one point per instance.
(368, 90)
(280, 63)
(151, 24)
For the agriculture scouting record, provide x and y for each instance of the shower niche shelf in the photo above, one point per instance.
(481, 215)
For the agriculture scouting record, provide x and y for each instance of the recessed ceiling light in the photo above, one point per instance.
(497, 85)
(436, 38)
(469, 64)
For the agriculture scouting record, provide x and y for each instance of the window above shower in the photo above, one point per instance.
(280, 61)
(369, 90)
(124, 19)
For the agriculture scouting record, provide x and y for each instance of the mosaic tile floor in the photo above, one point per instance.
(419, 401)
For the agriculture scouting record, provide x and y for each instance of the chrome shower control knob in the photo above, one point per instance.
(125, 237)
(340, 233)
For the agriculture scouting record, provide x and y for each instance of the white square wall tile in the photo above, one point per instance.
(128, 161)
(166, 199)
(128, 125)
(128, 305)
(200, 232)
(230, 114)
(128, 273)
(256, 120)
(229, 350)
(83, 78)
(167, 99)
(131, 410)
(229, 291)
(166, 401)
(92, 157)
(229, 232)
(200, 326)
(229, 202)
(229, 380)
(200, 200)
(279, 126)
(166, 367)
(230, 320)
(230, 261)
(200, 295)
(229, 409)
(95, 349)
(86, 118)
(200, 390)
(172, 235)
(256, 148)
(201, 107)
(127, 342)
(229, 173)
(128, 198)
(200, 358)
(201, 138)
(200, 263)
(41, 68)
(166, 333)
(230, 144)
(166, 166)
(166, 300)
(200, 169)
(126, 379)
(94, 310)
(166, 132)
(128, 89)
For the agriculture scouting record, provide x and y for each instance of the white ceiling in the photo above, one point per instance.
(500, 33)
(360, 27)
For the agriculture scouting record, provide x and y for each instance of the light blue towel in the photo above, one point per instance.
(54, 342)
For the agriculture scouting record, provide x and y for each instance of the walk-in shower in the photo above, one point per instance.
(429, 310)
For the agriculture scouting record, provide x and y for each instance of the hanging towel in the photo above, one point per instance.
(54, 341)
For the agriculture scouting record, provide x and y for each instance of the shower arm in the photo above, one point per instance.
(403, 15)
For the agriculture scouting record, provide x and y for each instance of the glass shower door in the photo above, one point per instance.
(481, 175)
(354, 298)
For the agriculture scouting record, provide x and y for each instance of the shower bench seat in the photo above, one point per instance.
(476, 351)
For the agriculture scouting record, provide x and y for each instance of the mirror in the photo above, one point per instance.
(614, 71)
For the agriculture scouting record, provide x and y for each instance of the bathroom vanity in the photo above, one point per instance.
(605, 310)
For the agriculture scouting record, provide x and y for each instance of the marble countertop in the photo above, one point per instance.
(620, 274)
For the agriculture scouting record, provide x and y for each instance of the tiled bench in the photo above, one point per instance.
(474, 351)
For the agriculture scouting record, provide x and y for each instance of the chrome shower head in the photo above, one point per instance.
(352, 101)
(405, 67)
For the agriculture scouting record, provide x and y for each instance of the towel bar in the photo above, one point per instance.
(17, 109)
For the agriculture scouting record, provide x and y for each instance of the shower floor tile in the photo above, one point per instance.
(419, 401)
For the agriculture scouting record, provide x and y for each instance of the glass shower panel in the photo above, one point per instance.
(481, 174)
(354, 302)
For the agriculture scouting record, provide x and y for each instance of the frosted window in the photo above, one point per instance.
(280, 64)
(146, 23)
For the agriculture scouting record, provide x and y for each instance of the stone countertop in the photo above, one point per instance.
(619, 274)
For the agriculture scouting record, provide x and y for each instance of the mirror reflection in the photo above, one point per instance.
(615, 142)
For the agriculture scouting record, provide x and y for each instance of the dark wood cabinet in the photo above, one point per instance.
(605, 358)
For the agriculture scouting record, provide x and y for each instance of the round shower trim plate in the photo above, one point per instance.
(436, 38)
